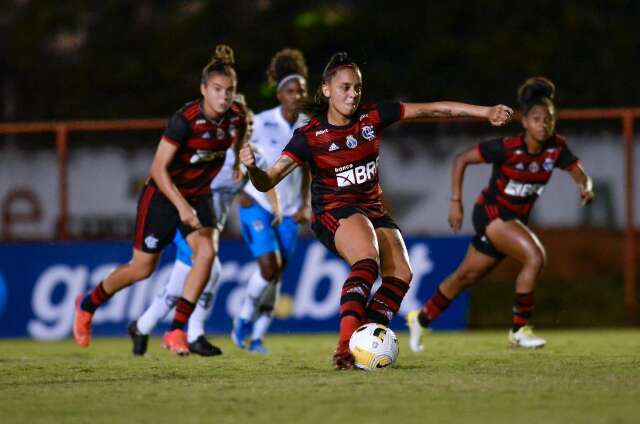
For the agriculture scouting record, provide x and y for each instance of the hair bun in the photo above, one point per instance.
(535, 89)
(224, 54)
(286, 62)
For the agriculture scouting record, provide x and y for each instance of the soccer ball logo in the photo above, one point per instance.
(374, 346)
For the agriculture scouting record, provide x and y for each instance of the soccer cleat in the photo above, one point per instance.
(176, 341)
(415, 331)
(525, 338)
(82, 324)
(258, 347)
(240, 332)
(140, 341)
(203, 347)
(343, 360)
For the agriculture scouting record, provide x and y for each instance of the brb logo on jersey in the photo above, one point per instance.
(349, 175)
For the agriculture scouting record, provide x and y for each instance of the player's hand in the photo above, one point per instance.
(586, 196)
(247, 157)
(499, 115)
(277, 218)
(188, 216)
(456, 213)
(302, 215)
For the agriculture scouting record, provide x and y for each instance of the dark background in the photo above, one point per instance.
(120, 59)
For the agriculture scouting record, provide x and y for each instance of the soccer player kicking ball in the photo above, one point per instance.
(341, 144)
(177, 196)
(522, 166)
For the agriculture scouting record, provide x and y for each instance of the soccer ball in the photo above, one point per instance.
(374, 346)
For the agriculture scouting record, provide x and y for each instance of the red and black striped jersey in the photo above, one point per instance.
(344, 159)
(202, 145)
(519, 177)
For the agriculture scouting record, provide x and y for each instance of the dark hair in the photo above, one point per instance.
(286, 62)
(320, 104)
(221, 63)
(536, 91)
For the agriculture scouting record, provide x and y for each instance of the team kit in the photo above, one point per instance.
(314, 159)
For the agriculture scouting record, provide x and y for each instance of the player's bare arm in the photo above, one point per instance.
(584, 182)
(456, 210)
(497, 115)
(301, 216)
(160, 175)
(265, 180)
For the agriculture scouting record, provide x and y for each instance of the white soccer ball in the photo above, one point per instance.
(374, 346)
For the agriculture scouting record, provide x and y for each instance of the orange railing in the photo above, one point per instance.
(627, 116)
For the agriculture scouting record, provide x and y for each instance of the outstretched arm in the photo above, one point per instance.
(265, 180)
(456, 210)
(497, 115)
(584, 182)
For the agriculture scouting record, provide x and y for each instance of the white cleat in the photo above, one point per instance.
(415, 331)
(525, 338)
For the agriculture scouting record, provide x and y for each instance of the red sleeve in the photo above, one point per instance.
(298, 148)
(178, 130)
(492, 151)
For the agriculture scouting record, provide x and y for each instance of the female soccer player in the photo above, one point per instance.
(271, 233)
(522, 166)
(341, 144)
(177, 196)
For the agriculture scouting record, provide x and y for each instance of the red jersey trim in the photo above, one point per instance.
(401, 111)
(170, 140)
(480, 153)
(572, 166)
(292, 157)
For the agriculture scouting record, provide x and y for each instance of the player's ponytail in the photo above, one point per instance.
(221, 63)
(320, 104)
(536, 91)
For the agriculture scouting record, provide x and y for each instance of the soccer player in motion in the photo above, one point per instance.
(270, 225)
(341, 144)
(190, 154)
(522, 166)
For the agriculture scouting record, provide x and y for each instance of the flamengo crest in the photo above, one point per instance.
(367, 132)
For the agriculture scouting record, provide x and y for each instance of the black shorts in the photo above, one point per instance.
(482, 216)
(157, 219)
(325, 226)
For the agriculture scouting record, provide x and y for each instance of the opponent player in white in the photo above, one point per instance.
(271, 235)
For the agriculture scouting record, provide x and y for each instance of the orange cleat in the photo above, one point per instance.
(176, 341)
(82, 324)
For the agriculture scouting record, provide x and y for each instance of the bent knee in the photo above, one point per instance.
(537, 258)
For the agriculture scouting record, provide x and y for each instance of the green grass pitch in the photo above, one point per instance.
(590, 376)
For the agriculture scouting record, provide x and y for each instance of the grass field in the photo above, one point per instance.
(472, 377)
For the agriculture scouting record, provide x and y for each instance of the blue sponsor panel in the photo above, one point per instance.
(39, 283)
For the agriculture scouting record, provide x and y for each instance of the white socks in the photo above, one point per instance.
(255, 287)
(261, 326)
(205, 304)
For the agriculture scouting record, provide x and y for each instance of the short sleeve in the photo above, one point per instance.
(492, 151)
(178, 130)
(390, 112)
(567, 160)
(298, 149)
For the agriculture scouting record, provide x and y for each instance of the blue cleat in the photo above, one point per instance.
(240, 332)
(257, 347)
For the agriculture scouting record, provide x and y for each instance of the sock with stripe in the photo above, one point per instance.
(386, 301)
(184, 308)
(355, 293)
(523, 306)
(94, 299)
(433, 307)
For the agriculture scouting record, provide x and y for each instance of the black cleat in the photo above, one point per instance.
(139, 340)
(203, 347)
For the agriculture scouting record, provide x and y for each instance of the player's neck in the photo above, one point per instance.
(336, 118)
(209, 113)
(289, 115)
(533, 146)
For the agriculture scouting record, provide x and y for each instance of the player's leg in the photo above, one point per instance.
(261, 239)
(198, 343)
(287, 235)
(355, 240)
(396, 274)
(514, 239)
(473, 268)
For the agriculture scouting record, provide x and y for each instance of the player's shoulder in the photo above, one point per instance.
(312, 127)
(238, 108)
(558, 140)
(366, 107)
(512, 142)
(189, 110)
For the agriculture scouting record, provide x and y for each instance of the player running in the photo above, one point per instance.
(177, 195)
(271, 233)
(341, 144)
(522, 166)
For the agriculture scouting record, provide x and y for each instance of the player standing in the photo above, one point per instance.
(341, 144)
(271, 231)
(522, 166)
(177, 195)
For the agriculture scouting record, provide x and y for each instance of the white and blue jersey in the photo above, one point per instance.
(271, 134)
